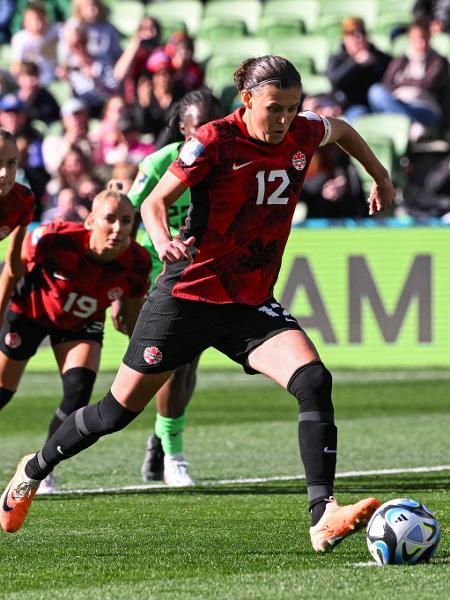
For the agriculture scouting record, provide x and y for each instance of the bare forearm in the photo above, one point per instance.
(154, 217)
(357, 147)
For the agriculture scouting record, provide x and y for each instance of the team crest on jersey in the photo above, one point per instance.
(13, 340)
(299, 160)
(152, 355)
(115, 293)
(4, 231)
(191, 150)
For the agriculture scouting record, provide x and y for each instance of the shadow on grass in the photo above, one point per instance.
(400, 485)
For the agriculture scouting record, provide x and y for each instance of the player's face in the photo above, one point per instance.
(111, 222)
(270, 112)
(9, 158)
(196, 116)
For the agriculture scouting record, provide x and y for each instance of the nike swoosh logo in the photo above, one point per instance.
(61, 452)
(237, 167)
(59, 276)
(6, 506)
(328, 451)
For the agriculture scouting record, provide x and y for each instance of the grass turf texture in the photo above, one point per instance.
(226, 541)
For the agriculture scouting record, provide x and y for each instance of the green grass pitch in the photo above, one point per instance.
(234, 540)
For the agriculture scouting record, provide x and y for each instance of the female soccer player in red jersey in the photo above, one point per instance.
(73, 273)
(245, 173)
(16, 212)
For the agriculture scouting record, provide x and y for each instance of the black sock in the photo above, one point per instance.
(317, 510)
(77, 389)
(80, 430)
(311, 384)
(5, 396)
(317, 442)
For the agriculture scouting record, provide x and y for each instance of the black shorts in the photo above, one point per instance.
(20, 336)
(170, 332)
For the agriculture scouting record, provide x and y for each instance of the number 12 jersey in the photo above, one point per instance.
(243, 196)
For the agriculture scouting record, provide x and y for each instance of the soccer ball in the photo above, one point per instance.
(401, 532)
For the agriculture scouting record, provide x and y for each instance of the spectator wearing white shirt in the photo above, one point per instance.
(37, 42)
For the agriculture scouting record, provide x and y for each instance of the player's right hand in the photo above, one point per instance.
(176, 250)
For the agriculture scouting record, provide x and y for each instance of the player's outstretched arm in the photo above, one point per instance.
(382, 194)
(154, 215)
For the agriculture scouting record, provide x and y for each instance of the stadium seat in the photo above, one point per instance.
(330, 26)
(306, 10)
(391, 125)
(169, 26)
(241, 48)
(376, 128)
(219, 73)
(315, 84)
(381, 41)
(61, 90)
(216, 29)
(388, 22)
(314, 46)
(248, 10)
(383, 148)
(366, 9)
(126, 16)
(5, 56)
(41, 126)
(203, 50)
(280, 27)
(441, 43)
(188, 11)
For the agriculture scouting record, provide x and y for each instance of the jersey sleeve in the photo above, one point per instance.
(37, 243)
(319, 127)
(145, 181)
(197, 157)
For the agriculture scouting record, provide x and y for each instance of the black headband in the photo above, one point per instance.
(273, 80)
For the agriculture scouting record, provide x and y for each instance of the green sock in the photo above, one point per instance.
(170, 432)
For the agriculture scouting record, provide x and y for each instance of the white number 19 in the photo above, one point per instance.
(83, 306)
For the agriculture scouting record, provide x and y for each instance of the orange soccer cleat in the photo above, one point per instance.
(338, 522)
(17, 497)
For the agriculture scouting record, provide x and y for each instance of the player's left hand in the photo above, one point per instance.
(117, 317)
(382, 195)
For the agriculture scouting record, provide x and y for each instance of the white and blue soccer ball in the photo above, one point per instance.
(402, 531)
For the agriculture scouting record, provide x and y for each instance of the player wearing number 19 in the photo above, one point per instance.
(245, 173)
(73, 273)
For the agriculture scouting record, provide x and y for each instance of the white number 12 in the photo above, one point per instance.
(275, 197)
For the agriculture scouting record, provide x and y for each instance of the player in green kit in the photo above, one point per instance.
(164, 459)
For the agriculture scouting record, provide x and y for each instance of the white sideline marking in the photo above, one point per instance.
(156, 486)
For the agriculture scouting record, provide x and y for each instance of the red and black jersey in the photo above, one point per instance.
(65, 287)
(16, 209)
(243, 196)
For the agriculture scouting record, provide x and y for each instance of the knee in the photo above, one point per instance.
(78, 381)
(311, 384)
(376, 94)
(105, 417)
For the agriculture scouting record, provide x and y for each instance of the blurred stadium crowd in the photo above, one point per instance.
(89, 86)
